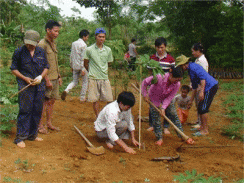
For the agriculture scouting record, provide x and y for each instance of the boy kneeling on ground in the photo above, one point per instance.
(115, 122)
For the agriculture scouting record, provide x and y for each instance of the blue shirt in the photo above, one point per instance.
(29, 66)
(197, 73)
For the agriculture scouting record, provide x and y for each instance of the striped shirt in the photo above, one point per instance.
(166, 62)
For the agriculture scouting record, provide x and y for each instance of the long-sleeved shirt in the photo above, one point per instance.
(162, 92)
(110, 116)
(197, 73)
(77, 54)
(29, 66)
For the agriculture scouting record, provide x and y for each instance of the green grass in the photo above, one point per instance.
(234, 103)
(14, 180)
(193, 177)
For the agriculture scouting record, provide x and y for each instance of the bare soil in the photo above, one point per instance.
(63, 157)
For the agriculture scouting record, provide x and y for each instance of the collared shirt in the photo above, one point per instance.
(197, 73)
(110, 116)
(166, 62)
(52, 57)
(162, 92)
(98, 61)
(29, 66)
(181, 102)
(77, 54)
(131, 51)
(202, 61)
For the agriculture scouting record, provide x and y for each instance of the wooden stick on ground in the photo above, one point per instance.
(20, 90)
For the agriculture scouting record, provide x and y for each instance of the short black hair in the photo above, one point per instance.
(51, 23)
(127, 98)
(159, 41)
(83, 33)
(186, 87)
(198, 46)
(133, 40)
(177, 72)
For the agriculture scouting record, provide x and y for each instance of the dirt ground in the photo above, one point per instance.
(62, 156)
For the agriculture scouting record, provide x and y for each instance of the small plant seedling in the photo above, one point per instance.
(123, 161)
(17, 161)
(147, 180)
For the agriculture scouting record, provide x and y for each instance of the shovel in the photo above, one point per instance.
(96, 151)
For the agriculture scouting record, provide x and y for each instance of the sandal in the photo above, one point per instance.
(198, 134)
(51, 127)
(42, 130)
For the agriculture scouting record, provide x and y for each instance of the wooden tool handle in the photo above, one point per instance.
(21, 90)
(175, 127)
(89, 143)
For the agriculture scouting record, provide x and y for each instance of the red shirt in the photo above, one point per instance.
(165, 62)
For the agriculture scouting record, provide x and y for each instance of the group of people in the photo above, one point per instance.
(36, 63)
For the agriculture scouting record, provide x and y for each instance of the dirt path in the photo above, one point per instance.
(62, 156)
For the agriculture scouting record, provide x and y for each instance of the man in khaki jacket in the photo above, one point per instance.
(53, 79)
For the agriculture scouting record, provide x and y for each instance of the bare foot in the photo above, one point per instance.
(159, 142)
(109, 145)
(166, 131)
(39, 139)
(150, 129)
(52, 127)
(42, 130)
(21, 144)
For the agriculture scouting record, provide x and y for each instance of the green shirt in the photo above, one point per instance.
(98, 61)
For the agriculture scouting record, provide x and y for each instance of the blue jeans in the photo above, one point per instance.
(155, 120)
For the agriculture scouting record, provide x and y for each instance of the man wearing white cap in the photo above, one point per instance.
(29, 65)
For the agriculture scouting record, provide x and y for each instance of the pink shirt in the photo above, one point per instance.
(162, 92)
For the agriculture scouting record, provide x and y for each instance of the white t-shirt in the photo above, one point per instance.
(181, 102)
(202, 61)
(131, 48)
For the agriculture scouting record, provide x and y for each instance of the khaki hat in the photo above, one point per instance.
(181, 60)
(32, 37)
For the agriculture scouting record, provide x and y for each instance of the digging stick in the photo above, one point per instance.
(175, 127)
(21, 90)
(140, 109)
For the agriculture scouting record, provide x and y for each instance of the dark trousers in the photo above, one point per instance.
(30, 111)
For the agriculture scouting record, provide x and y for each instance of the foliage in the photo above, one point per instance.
(235, 105)
(117, 47)
(193, 177)
(14, 180)
(218, 25)
(146, 49)
(8, 114)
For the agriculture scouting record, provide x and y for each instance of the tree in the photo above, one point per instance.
(108, 11)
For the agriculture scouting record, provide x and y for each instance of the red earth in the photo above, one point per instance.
(63, 157)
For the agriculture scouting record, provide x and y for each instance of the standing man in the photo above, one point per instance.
(96, 60)
(133, 53)
(30, 66)
(77, 64)
(53, 79)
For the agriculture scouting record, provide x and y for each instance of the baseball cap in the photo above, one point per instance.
(100, 30)
(181, 60)
(31, 37)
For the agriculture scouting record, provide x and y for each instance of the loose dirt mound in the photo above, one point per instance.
(63, 157)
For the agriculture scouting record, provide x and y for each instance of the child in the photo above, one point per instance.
(182, 101)
(115, 122)
(161, 94)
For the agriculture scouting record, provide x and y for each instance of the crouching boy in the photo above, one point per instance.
(115, 122)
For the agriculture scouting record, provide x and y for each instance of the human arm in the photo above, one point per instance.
(39, 78)
(146, 82)
(28, 80)
(202, 88)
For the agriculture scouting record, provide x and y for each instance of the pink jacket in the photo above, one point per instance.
(162, 92)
